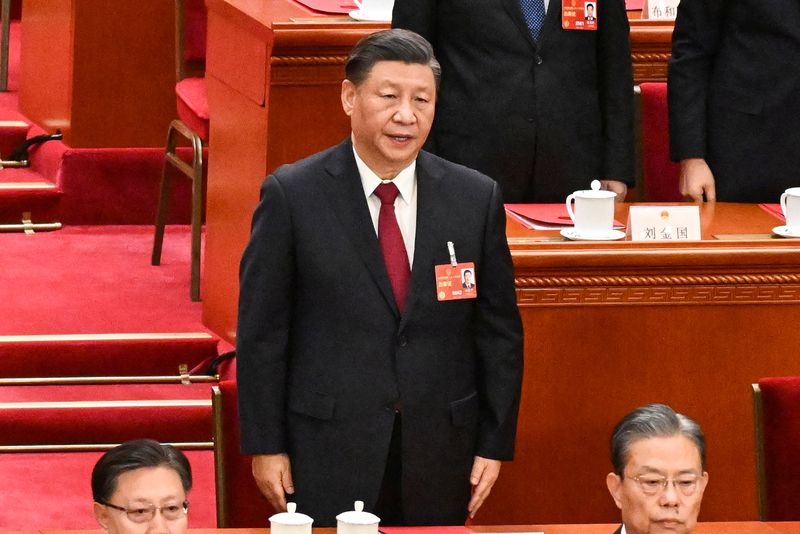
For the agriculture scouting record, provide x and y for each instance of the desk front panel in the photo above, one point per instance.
(609, 327)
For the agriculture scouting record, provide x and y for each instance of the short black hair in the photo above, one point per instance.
(653, 421)
(390, 45)
(132, 455)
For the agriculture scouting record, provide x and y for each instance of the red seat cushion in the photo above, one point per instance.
(660, 173)
(193, 105)
(780, 401)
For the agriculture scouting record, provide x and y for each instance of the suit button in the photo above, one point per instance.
(402, 341)
(529, 119)
(538, 59)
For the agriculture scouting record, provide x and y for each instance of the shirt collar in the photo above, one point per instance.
(623, 531)
(404, 180)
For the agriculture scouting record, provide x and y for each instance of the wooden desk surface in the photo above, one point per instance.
(746, 527)
(718, 220)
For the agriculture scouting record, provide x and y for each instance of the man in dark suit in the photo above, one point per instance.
(734, 110)
(345, 355)
(541, 108)
(659, 475)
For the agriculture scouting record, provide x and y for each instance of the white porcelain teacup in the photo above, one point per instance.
(378, 9)
(790, 205)
(594, 210)
(290, 521)
(357, 521)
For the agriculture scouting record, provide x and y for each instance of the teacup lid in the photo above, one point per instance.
(358, 516)
(595, 191)
(291, 516)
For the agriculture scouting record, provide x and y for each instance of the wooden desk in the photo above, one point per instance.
(103, 72)
(274, 72)
(610, 326)
(747, 527)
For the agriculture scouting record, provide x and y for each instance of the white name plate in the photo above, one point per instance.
(660, 9)
(664, 223)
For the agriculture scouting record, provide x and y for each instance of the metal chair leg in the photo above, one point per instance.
(197, 215)
(163, 197)
(195, 173)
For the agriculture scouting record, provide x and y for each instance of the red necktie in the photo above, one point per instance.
(392, 245)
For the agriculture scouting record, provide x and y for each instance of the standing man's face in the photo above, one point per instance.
(391, 113)
(649, 508)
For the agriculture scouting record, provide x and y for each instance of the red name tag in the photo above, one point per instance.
(456, 282)
(579, 15)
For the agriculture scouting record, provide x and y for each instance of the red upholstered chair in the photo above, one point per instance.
(239, 502)
(660, 181)
(192, 124)
(776, 403)
(52, 436)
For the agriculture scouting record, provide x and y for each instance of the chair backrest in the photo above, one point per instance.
(190, 38)
(239, 501)
(776, 406)
(660, 182)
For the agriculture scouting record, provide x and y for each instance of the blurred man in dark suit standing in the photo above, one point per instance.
(734, 98)
(659, 473)
(533, 93)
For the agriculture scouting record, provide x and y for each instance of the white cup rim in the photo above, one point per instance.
(591, 193)
(793, 192)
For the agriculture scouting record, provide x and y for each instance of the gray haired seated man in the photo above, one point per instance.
(659, 476)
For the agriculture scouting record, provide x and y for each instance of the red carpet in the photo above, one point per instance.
(57, 493)
(91, 280)
(94, 279)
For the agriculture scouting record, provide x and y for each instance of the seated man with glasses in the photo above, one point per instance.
(659, 473)
(141, 486)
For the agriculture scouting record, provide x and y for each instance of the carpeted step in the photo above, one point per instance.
(30, 190)
(48, 431)
(12, 132)
(93, 355)
(25, 191)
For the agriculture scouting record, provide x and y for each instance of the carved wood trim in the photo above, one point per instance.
(664, 295)
(308, 60)
(659, 290)
(657, 280)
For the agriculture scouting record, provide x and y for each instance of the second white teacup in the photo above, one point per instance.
(593, 213)
(790, 205)
(379, 9)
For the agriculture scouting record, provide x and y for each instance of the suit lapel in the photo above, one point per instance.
(515, 12)
(346, 194)
(427, 243)
(552, 20)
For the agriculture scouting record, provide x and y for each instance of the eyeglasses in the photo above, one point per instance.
(654, 484)
(146, 513)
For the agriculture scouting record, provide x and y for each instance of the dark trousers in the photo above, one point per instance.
(390, 499)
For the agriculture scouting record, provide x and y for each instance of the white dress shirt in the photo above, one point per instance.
(405, 205)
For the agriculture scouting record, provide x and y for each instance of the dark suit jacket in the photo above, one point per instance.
(542, 119)
(734, 94)
(324, 357)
